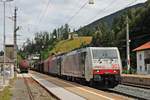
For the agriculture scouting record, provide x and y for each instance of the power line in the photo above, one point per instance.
(103, 9)
(43, 14)
(110, 5)
(77, 12)
(131, 3)
(11, 9)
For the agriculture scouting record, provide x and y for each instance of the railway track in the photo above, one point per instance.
(124, 94)
(136, 85)
(131, 91)
(124, 90)
(85, 91)
(34, 90)
(135, 91)
(28, 88)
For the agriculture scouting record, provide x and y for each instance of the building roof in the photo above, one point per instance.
(143, 47)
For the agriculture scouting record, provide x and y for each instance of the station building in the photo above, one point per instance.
(9, 61)
(143, 58)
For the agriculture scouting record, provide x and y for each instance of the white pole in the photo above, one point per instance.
(128, 45)
(4, 48)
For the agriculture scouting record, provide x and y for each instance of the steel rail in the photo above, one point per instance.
(28, 88)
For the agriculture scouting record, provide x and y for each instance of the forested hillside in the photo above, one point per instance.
(111, 30)
(90, 28)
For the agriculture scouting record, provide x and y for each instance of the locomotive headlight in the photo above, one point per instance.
(97, 70)
(115, 71)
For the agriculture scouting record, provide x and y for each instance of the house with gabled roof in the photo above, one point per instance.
(143, 58)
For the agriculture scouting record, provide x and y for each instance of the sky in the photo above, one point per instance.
(45, 15)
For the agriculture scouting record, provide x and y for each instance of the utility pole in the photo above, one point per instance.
(4, 48)
(15, 36)
(128, 43)
(4, 60)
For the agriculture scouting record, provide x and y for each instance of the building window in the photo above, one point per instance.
(145, 68)
(140, 57)
(140, 68)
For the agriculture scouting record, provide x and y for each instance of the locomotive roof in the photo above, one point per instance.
(76, 51)
(84, 49)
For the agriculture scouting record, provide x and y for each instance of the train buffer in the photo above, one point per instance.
(58, 91)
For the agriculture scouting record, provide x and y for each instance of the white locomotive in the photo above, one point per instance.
(92, 64)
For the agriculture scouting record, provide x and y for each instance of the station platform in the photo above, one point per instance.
(58, 91)
(143, 80)
(135, 75)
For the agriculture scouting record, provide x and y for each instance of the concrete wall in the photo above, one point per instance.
(148, 68)
(147, 54)
(143, 80)
(140, 62)
(147, 60)
(10, 51)
(142, 67)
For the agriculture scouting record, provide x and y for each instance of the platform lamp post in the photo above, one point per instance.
(4, 4)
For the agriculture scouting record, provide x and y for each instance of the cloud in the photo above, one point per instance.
(41, 15)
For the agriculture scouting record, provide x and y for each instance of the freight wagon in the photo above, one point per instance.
(24, 66)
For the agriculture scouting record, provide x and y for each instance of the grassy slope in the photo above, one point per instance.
(68, 45)
(5, 94)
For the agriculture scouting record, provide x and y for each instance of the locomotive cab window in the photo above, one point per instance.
(104, 54)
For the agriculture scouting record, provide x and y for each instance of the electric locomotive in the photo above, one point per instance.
(101, 65)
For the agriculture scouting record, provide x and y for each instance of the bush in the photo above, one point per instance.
(131, 71)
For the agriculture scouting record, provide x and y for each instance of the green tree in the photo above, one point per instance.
(102, 36)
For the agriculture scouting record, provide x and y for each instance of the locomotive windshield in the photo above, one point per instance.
(104, 54)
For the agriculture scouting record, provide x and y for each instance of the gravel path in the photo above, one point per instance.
(20, 91)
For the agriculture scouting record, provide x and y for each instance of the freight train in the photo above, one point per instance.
(92, 65)
(24, 66)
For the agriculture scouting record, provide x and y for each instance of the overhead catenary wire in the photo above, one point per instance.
(10, 9)
(43, 14)
(23, 26)
(131, 3)
(109, 5)
(103, 9)
(77, 12)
